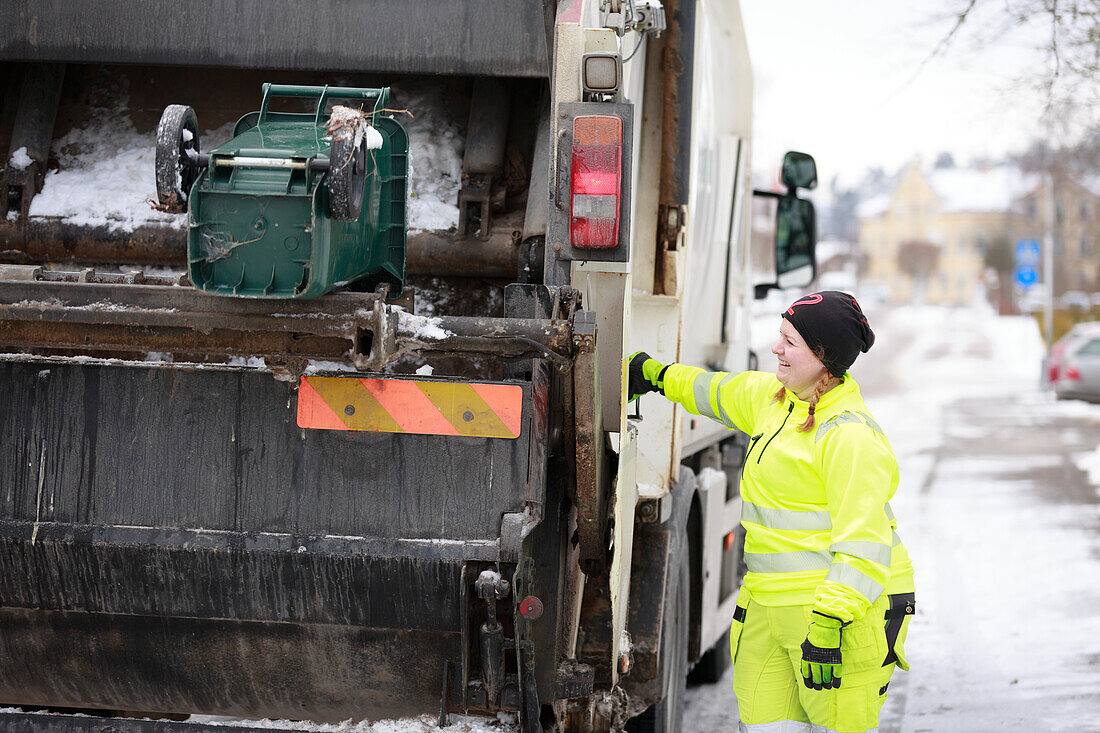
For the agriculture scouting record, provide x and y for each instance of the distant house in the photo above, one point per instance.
(1076, 230)
(949, 217)
(927, 239)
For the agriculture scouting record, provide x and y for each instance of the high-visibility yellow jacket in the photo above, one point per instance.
(819, 528)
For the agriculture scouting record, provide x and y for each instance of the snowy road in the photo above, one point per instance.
(999, 508)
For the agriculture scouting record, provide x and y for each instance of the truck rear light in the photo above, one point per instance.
(727, 542)
(596, 178)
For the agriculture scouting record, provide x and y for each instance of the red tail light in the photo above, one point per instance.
(1072, 373)
(595, 188)
(1053, 372)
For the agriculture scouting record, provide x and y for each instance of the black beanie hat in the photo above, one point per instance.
(834, 322)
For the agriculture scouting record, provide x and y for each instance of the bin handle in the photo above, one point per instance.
(322, 93)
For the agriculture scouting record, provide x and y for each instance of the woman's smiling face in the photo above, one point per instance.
(799, 368)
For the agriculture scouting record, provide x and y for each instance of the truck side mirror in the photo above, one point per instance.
(799, 171)
(795, 226)
(795, 242)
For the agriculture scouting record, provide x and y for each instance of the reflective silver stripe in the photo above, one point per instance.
(857, 581)
(897, 539)
(777, 726)
(865, 549)
(872, 424)
(718, 399)
(823, 729)
(788, 562)
(890, 513)
(790, 519)
(832, 422)
(700, 388)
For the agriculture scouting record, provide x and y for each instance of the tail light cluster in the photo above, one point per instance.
(596, 181)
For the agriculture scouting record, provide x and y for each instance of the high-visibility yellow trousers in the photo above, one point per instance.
(767, 670)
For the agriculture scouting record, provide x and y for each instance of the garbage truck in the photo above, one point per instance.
(309, 426)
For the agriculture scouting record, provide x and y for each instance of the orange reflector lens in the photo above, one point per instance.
(597, 130)
(410, 406)
(727, 543)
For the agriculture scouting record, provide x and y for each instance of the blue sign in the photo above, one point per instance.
(1026, 277)
(1027, 253)
(1027, 260)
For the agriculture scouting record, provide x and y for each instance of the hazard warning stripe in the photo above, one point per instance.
(409, 406)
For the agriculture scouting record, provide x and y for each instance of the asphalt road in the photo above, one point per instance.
(1003, 523)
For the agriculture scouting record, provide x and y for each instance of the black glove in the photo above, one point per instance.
(644, 375)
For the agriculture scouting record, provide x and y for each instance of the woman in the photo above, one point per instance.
(822, 615)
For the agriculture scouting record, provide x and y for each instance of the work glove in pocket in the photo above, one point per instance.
(821, 656)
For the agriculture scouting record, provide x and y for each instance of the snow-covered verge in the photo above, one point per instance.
(1090, 464)
(106, 166)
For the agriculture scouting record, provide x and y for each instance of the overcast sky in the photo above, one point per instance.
(842, 80)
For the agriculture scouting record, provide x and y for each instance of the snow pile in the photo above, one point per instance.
(106, 176)
(436, 145)
(421, 327)
(316, 366)
(252, 362)
(426, 370)
(19, 159)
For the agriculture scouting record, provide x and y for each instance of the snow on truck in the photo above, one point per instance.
(338, 428)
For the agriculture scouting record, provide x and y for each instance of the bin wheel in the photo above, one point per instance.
(347, 177)
(177, 133)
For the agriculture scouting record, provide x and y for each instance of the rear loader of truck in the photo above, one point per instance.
(332, 428)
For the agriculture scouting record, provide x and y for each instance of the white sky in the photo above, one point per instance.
(839, 80)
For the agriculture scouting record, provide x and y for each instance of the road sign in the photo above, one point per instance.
(1027, 261)
(1027, 253)
(1026, 277)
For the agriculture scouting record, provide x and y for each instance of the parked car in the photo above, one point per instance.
(1053, 363)
(1079, 377)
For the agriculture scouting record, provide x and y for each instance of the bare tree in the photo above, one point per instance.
(1070, 41)
(919, 260)
(1000, 256)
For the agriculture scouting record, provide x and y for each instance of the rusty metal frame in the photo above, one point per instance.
(37, 241)
(592, 485)
(360, 328)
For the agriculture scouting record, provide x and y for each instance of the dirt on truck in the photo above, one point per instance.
(313, 320)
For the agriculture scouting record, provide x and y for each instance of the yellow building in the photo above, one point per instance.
(926, 240)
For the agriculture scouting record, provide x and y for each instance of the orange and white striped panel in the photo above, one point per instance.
(409, 406)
